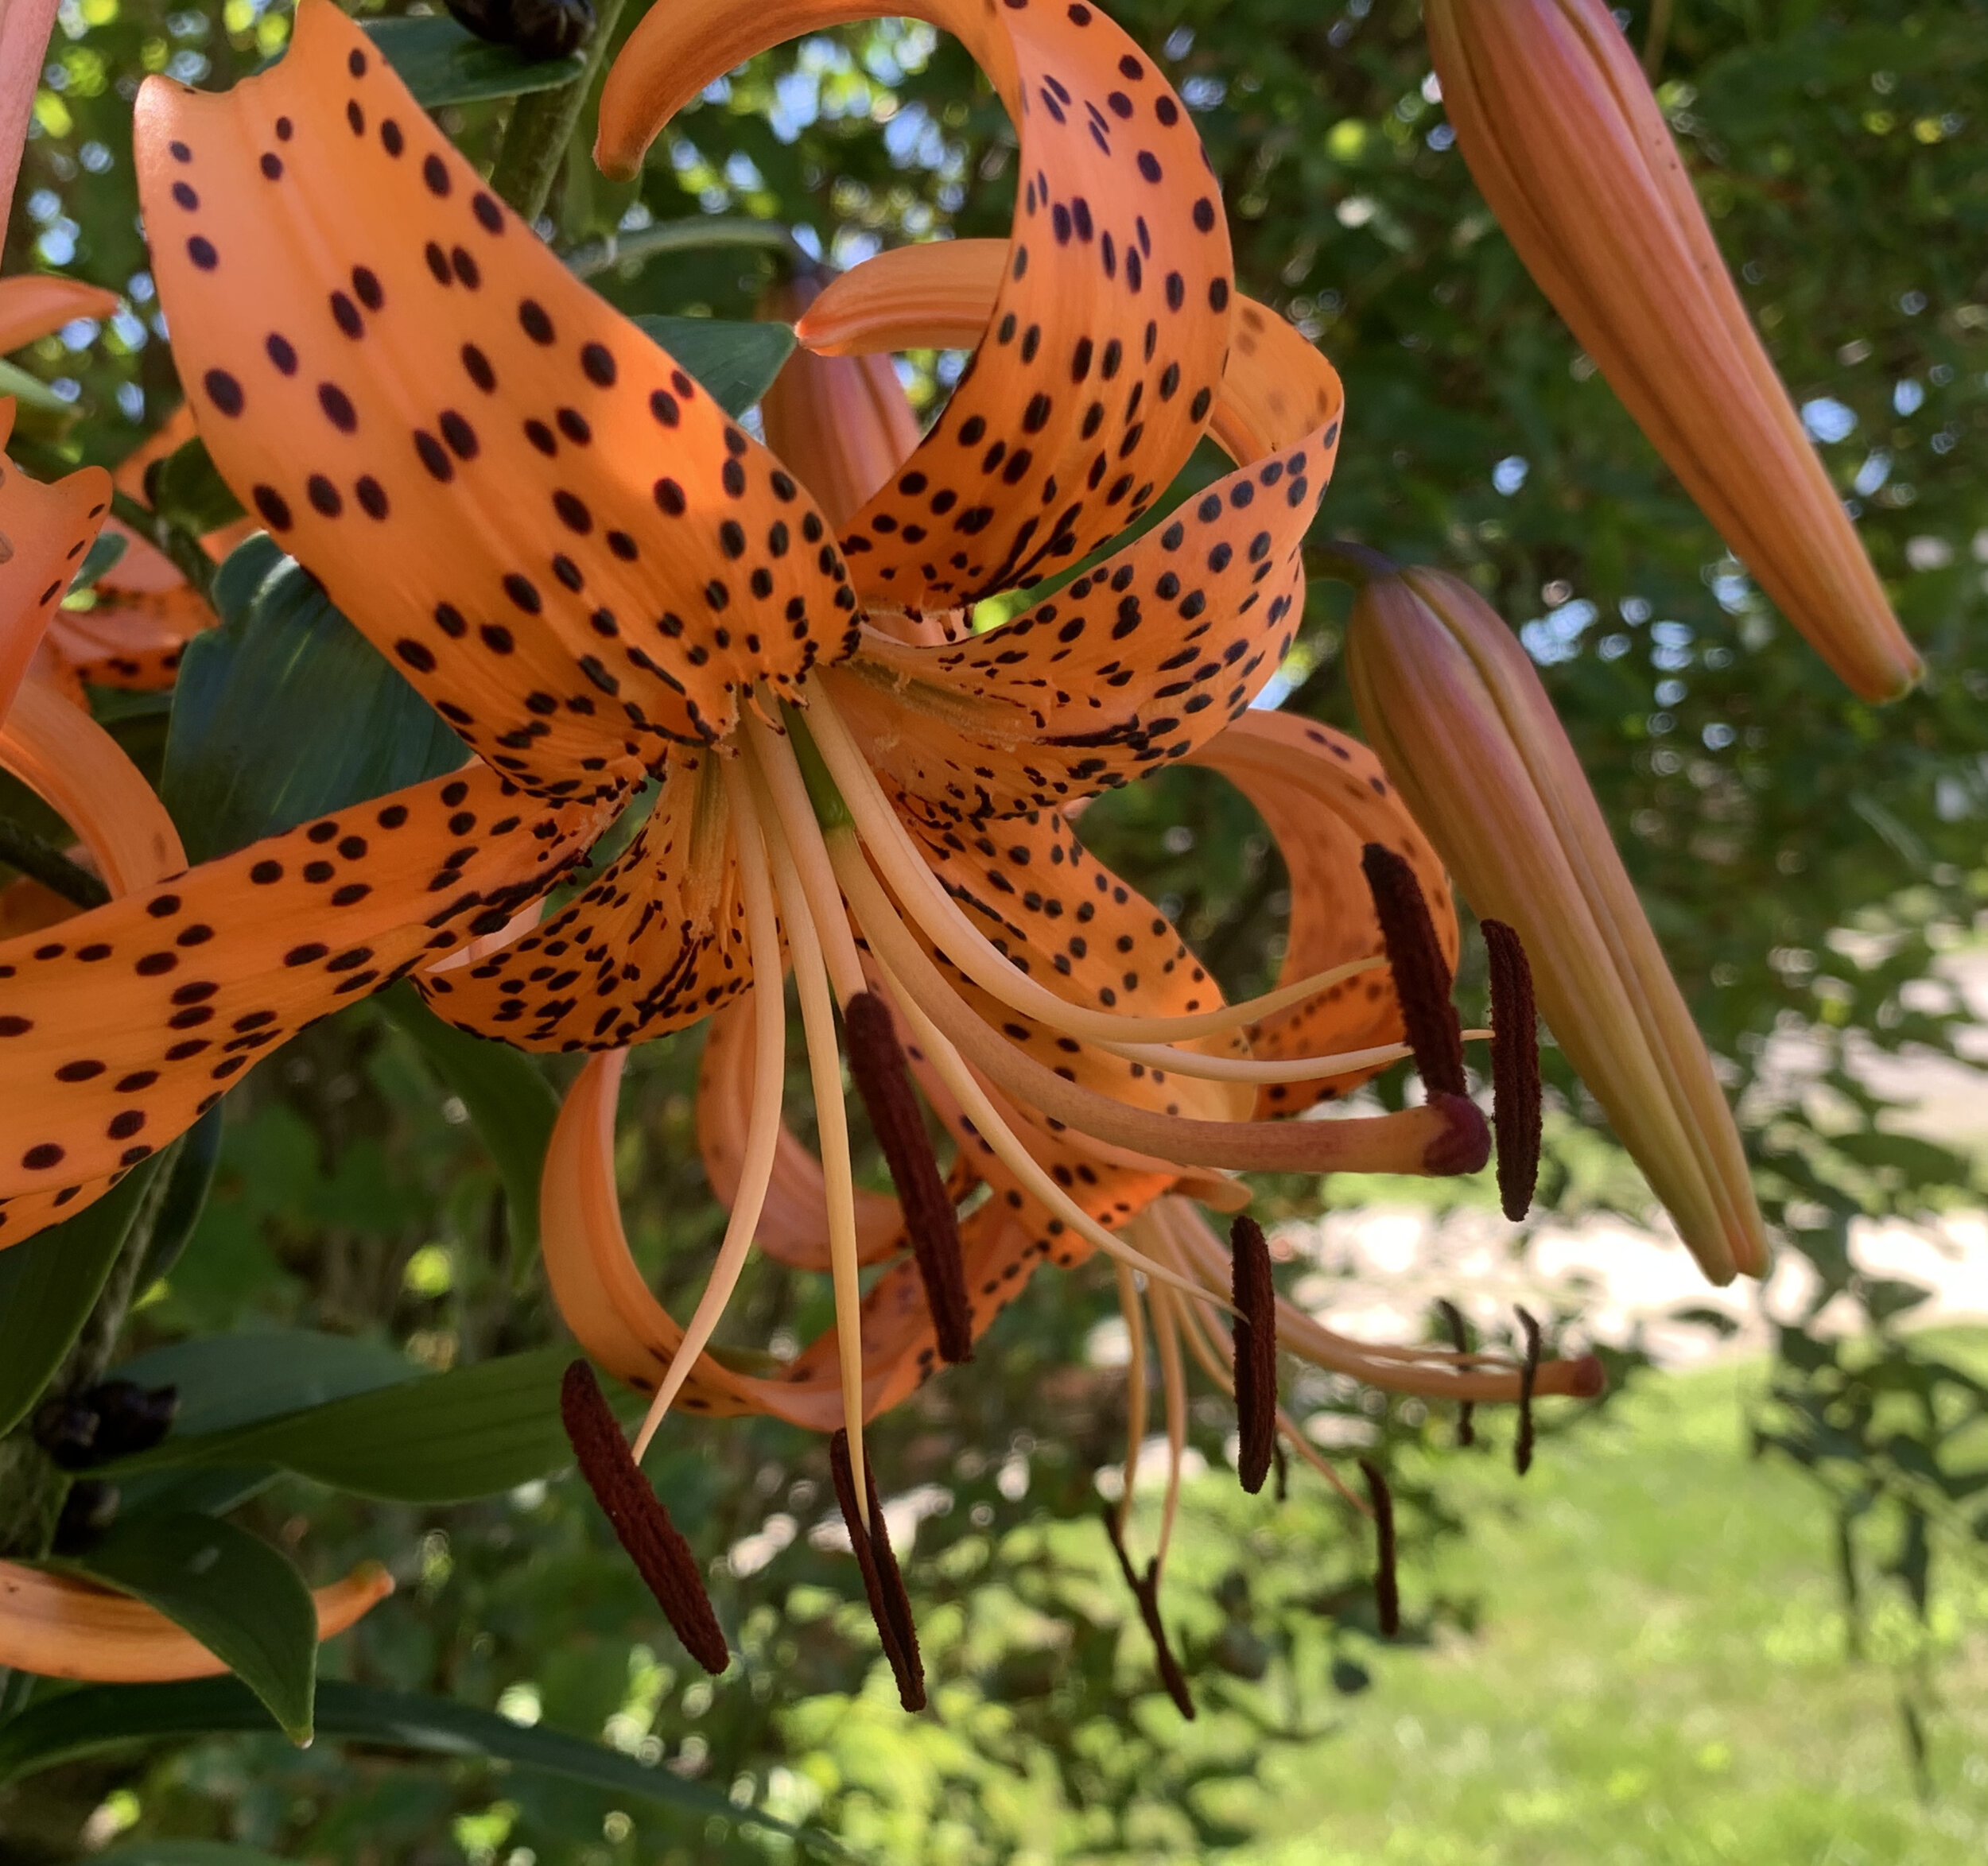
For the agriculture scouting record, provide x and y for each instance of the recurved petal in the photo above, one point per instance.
(119, 1035)
(654, 944)
(132, 639)
(32, 304)
(794, 1224)
(1104, 350)
(567, 546)
(59, 1626)
(1323, 797)
(44, 532)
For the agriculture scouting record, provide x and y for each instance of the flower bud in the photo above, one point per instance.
(1570, 148)
(1451, 703)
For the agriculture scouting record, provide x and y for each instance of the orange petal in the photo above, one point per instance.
(129, 639)
(1571, 150)
(1323, 797)
(44, 532)
(655, 944)
(564, 542)
(118, 1035)
(83, 773)
(1104, 351)
(58, 1626)
(32, 304)
(795, 1223)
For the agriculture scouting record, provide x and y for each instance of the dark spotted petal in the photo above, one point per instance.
(565, 543)
(47, 529)
(1100, 363)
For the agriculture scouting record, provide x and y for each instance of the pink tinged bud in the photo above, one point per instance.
(1570, 148)
(1451, 703)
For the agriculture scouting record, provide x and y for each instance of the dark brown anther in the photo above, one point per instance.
(1522, 1448)
(1460, 1335)
(1282, 1465)
(1146, 1591)
(1387, 1589)
(890, 1606)
(883, 1080)
(662, 1556)
(1256, 1298)
(1421, 973)
(1515, 1068)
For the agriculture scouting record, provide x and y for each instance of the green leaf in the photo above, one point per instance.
(286, 711)
(183, 1199)
(98, 1717)
(233, 1593)
(184, 1852)
(442, 62)
(735, 361)
(228, 1381)
(186, 490)
(31, 392)
(472, 1432)
(49, 1285)
(106, 551)
(512, 1105)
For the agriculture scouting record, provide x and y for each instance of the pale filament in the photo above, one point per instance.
(944, 922)
(831, 1121)
(1236, 1068)
(1166, 1305)
(1135, 1386)
(762, 1118)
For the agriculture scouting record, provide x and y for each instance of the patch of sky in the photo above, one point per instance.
(1873, 474)
(1556, 636)
(1509, 474)
(1908, 396)
(1670, 647)
(1828, 419)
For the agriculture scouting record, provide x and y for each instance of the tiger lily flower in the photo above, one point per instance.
(1557, 122)
(1453, 705)
(61, 1626)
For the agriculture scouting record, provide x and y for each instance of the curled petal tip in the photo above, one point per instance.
(1464, 1146)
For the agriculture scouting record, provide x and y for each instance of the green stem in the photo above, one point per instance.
(541, 126)
(183, 548)
(1351, 562)
(19, 847)
(692, 232)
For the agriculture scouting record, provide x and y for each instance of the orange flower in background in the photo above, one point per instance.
(1454, 707)
(1558, 123)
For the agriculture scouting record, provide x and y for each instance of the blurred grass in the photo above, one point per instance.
(1658, 1678)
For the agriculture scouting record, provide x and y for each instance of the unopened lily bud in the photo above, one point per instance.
(1451, 703)
(1572, 151)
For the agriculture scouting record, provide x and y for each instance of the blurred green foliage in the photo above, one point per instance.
(1807, 860)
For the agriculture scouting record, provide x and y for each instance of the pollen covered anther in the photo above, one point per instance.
(1387, 1590)
(890, 1606)
(1460, 1334)
(1421, 975)
(1256, 1298)
(883, 1080)
(641, 1522)
(1515, 1068)
(1522, 1447)
(1146, 1591)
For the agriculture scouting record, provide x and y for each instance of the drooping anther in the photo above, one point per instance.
(883, 1080)
(890, 1606)
(1460, 1336)
(1146, 1591)
(642, 1524)
(1282, 1466)
(1255, 1350)
(1421, 973)
(1522, 1447)
(1387, 1590)
(1515, 1068)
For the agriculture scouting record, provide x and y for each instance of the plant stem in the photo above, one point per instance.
(188, 559)
(693, 231)
(19, 847)
(541, 126)
(1351, 562)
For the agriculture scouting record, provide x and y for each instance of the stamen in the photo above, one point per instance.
(1387, 1591)
(1515, 1069)
(1134, 1385)
(1522, 1447)
(763, 1121)
(1256, 1298)
(1281, 1464)
(883, 1080)
(1421, 974)
(944, 922)
(641, 1522)
(890, 1606)
(1146, 1591)
(1460, 1333)
(778, 770)
(1237, 1069)
(1167, 1306)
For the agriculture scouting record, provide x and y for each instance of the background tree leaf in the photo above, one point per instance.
(233, 1593)
(442, 62)
(185, 1853)
(185, 489)
(736, 361)
(287, 711)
